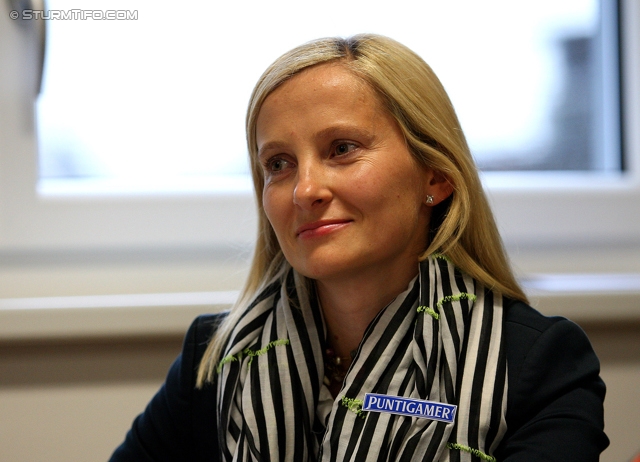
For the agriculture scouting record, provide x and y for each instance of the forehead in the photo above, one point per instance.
(325, 75)
(316, 91)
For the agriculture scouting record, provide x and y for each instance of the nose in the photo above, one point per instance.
(312, 189)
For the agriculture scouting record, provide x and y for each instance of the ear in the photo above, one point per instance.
(438, 187)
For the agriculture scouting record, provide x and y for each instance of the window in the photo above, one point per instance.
(135, 108)
(48, 211)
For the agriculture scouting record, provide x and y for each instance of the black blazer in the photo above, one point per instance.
(554, 409)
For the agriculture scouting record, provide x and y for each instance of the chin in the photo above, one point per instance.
(324, 269)
(313, 271)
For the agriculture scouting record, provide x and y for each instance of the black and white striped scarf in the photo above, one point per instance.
(439, 340)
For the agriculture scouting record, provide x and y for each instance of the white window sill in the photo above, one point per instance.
(586, 298)
(49, 318)
(582, 298)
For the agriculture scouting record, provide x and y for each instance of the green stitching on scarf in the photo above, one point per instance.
(252, 354)
(430, 311)
(475, 452)
(227, 359)
(354, 405)
(441, 257)
(455, 298)
(449, 298)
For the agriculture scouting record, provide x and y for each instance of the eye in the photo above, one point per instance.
(276, 165)
(343, 147)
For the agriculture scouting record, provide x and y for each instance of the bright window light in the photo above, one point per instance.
(157, 103)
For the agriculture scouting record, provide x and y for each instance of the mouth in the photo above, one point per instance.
(320, 228)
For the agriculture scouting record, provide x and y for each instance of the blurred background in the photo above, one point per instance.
(126, 208)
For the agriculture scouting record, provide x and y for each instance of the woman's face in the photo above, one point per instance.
(342, 192)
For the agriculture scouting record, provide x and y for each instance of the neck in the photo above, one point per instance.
(349, 305)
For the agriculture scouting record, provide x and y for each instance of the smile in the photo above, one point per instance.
(320, 228)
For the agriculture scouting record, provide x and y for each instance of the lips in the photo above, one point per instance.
(321, 227)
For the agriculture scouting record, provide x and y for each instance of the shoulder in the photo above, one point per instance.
(523, 328)
(544, 348)
(555, 394)
(199, 403)
(534, 341)
(200, 332)
(525, 320)
(204, 326)
(195, 344)
(179, 421)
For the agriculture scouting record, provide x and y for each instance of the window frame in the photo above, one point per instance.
(535, 211)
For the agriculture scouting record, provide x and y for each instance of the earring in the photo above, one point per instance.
(429, 200)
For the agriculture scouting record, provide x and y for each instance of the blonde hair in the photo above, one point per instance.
(413, 95)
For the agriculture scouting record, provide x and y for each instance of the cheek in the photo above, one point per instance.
(364, 187)
(374, 190)
(275, 209)
(267, 206)
(400, 199)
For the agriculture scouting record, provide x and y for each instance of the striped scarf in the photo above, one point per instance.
(439, 340)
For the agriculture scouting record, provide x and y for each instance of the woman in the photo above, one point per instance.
(381, 320)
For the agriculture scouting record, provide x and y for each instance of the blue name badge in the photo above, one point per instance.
(410, 407)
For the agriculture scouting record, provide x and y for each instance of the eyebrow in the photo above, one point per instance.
(271, 145)
(337, 130)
